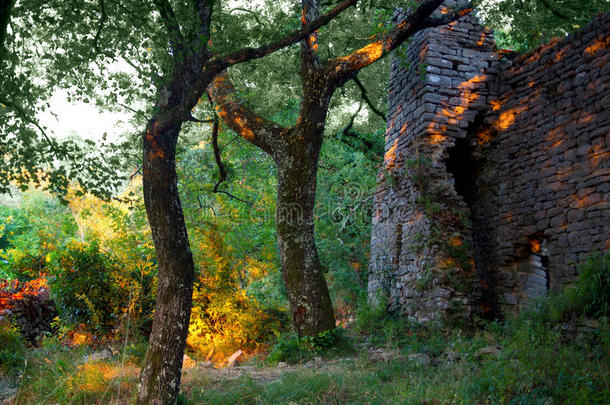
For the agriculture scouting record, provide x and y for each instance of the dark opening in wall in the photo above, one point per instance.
(463, 167)
(466, 167)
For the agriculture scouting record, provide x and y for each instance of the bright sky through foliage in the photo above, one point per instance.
(84, 119)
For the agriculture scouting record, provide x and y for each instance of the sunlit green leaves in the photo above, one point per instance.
(523, 24)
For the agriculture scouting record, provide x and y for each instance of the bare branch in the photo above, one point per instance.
(221, 167)
(347, 130)
(168, 17)
(216, 66)
(103, 18)
(245, 54)
(431, 22)
(24, 116)
(553, 10)
(133, 110)
(252, 13)
(193, 119)
(366, 98)
(136, 172)
(234, 197)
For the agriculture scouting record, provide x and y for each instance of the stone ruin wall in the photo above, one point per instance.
(496, 182)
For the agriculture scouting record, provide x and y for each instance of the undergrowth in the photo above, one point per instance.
(293, 349)
(557, 351)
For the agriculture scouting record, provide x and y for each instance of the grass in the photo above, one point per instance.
(56, 373)
(536, 365)
(550, 354)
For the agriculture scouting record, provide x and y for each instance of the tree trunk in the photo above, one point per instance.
(310, 302)
(160, 377)
(6, 7)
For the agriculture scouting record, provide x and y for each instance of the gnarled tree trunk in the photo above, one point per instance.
(310, 302)
(160, 377)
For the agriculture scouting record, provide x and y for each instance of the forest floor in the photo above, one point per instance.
(520, 363)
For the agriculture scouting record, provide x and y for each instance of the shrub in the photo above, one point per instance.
(12, 351)
(593, 287)
(84, 287)
(292, 349)
(226, 320)
(590, 296)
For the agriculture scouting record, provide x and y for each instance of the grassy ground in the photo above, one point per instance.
(558, 352)
(536, 364)
(532, 367)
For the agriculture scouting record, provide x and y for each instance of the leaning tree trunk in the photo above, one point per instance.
(160, 377)
(310, 302)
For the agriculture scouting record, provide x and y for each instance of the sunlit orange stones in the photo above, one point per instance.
(597, 45)
(390, 156)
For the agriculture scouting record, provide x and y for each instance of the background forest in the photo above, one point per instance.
(100, 263)
(76, 243)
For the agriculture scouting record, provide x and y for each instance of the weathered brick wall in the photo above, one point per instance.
(543, 183)
(498, 165)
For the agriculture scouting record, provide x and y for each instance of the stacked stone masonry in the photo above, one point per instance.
(496, 178)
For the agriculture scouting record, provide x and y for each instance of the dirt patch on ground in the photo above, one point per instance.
(270, 373)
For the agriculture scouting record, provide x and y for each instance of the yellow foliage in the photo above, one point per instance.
(223, 317)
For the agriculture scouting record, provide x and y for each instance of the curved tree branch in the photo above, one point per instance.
(245, 122)
(98, 34)
(221, 167)
(553, 10)
(366, 98)
(217, 65)
(25, 117)
(432, 22)
(348, 129)
(245, 54)
(343, 68)
(193, 119)
(254, 15)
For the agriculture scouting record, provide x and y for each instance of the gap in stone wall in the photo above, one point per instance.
(466, 166)
(463, 168)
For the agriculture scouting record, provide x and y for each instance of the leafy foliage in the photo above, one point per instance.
(292, 348)
(12, 352)
(593, 286)
(523, 24)
(85, 288)
(590, 296)
(29, 233)
(90, 249)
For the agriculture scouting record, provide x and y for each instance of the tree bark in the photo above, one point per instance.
(6, 6)
(160, 377)
(310, 303)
